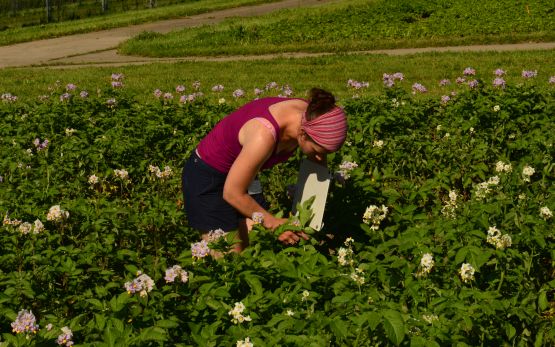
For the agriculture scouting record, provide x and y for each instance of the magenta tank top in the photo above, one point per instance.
(221, 146)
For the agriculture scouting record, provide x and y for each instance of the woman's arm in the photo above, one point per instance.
(258, 145)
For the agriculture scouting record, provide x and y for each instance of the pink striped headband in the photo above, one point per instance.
(328, 130)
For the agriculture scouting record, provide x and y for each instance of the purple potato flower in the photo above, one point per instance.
(529, 73)
(473, 84)
(469, 71)
(218, 88)
(417, 87)
(238, 93)
(200, 249)
(444, 82)
(25, 323)
(499, 83)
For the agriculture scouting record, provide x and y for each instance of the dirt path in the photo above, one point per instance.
(81, 48)
(99, 48)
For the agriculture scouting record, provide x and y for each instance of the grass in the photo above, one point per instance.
(117, 20)
(331, 72)
(360, 25)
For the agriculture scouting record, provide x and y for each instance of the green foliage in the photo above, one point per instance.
(360, 25)
(352, 283)
(81, 17)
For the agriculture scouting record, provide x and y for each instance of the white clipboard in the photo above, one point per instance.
(314, 180)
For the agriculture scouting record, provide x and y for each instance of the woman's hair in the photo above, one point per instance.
(319, 102)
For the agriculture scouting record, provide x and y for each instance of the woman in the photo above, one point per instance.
(220, 188)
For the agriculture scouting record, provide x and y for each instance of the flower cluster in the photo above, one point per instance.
(237, 314)
(190, 98)
(374, 215)
(500, 241)
(496, 108)
(358, 276)
(238, 93)
(357, 85)
(287, 91)
(467, 272)
(473, 84)
(529, 73)
(142, 284)
(450, 206)
(418, 88)
(469, 71)
(545, 213)
(121, 173)
(200, 249)
(499, 72)
(111, 103)
(499, 83)
(65, 338)
(345, 255)
(13, 222)
(503, 167)
(159, 173)
(215, 235)
(345, 168)
(27, 228)
(429, 318)
(218, 88)
(426, 265)
(40, 145)
(56, 214)
(93, 179)
(65, 97)
(305, 295)
(70, 131)
(389, 80)
(377, 143)
(25, 323)
(257, 217)
(444, 82)
(117, 80)
(483, 189)
(245, 343)
(527, 172)
(176, 271)
(8, 97)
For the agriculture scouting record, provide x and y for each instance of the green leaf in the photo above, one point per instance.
(117, 303)
(461, 255)
(153, 333)
(255, 284)
(167, 323)
(543, 304)
(108, 336)
(394, 326)
(96, 303)
(374, 320)
(339, 328)
(510, 330)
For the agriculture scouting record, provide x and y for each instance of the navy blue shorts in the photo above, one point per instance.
(203, 188)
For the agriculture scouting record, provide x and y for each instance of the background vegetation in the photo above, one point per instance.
(11, 33)
(360, 25)
(331, 72)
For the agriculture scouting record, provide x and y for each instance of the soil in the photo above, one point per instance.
(99, 48)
